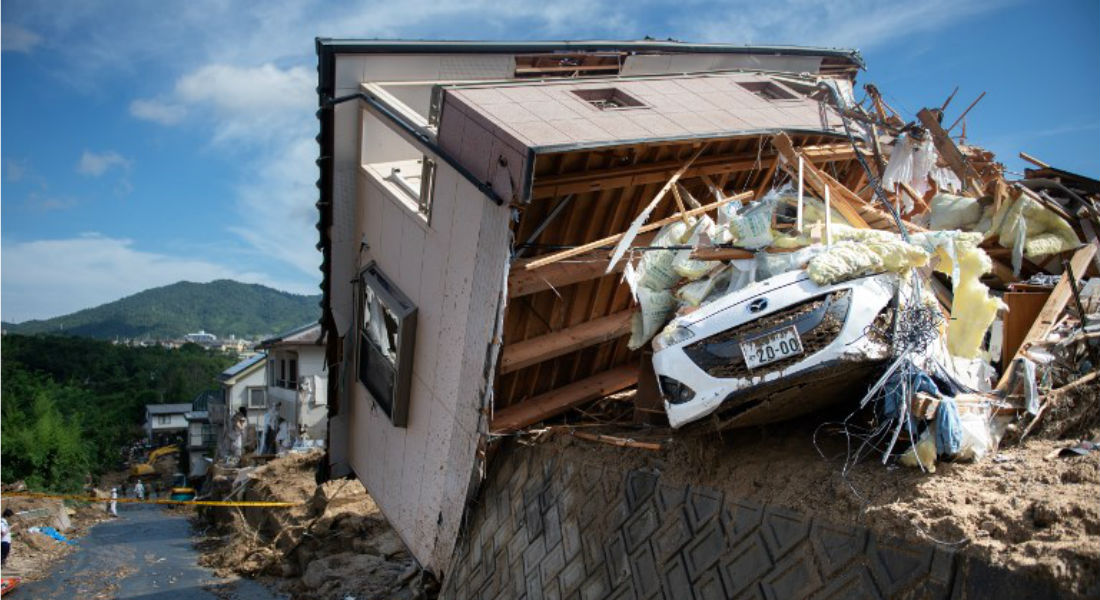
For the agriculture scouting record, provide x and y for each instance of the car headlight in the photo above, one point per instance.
(671, 335)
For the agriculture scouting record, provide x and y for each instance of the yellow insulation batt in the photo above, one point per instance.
(1046, 232)
(972, 308)
(859, 252)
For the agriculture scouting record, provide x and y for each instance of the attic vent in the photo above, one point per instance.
(609, 99)
(768, 90)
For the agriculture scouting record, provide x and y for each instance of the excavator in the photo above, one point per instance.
(147, 470)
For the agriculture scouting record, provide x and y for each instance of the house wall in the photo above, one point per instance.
(175, 421)
(311, 361)
(453, 270)
(237, 394)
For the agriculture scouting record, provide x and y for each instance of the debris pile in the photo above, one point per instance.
(335, 543)
(45, 530)
(908, 270)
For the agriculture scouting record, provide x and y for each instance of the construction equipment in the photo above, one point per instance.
(148, 469)
(180, 489)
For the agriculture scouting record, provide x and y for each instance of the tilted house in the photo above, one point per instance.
(446, 167)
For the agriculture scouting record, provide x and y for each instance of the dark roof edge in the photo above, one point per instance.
(354, 46)
(279, 338)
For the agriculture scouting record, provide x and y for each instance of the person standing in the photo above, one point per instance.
(139, 490)
(113, 506)
(5, 536)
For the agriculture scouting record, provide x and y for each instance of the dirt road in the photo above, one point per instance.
(147, 554)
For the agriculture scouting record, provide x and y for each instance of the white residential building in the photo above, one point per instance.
(296, 377)
(165, 423)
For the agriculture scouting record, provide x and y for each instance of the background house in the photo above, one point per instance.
(243, 385)
(166, 423)
(296, 378)
(202, 441)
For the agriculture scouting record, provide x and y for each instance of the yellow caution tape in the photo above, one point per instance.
(153, 500)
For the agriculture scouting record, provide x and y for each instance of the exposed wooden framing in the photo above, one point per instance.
(819, 180)
(555, 402)
(564, 254)
(949, 151)
(734, 253)
(1053, 307)
(720, 164)
(536, 350)
(963, 115)
(766, 181)
(636, 224)
(1035, 161)
(919, 205)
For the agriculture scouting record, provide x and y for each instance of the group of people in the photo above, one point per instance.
(275, 436)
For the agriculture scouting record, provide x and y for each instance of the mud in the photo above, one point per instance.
(1021, 508)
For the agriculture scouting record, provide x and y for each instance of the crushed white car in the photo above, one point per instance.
(775, 349)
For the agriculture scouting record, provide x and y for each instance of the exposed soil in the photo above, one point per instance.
(335, 544)
(34, 554)
(1022, 508)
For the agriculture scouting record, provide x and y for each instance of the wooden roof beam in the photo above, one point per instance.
(552, 345)
(550, 186)
(552, 403)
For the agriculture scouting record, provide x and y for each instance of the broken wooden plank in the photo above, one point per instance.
(819, 180)
(555, 402)
(636, 225)
(919, 205)
(535, 350)
(949, 152)
(1035, 161)
(611, 239)
(583, 267)
(1053, 307)
(734, 253)
(616, 441)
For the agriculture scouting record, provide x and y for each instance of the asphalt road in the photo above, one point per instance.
(144, 554)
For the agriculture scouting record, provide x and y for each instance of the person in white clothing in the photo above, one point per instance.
(5, 535)
(113, 506)
(139, 490)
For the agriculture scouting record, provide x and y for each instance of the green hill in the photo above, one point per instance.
(220, 307)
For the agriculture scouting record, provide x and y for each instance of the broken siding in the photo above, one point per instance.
(419, 474)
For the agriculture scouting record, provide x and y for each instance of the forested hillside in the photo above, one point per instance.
(70, 404)
(220, 307)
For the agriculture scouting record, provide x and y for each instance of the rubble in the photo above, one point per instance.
(334, 544)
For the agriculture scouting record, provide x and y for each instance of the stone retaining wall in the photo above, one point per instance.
(546, 525)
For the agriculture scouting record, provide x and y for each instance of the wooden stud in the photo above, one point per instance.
(1054, 306)
(559, 256)
(557, 401)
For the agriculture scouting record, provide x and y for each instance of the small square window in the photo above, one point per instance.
(609, 99)
(768, 90)
(387, 330)
(257, 398)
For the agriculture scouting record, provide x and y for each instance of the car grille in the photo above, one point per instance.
(818, 320)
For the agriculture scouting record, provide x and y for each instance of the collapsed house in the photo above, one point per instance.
(513, 230)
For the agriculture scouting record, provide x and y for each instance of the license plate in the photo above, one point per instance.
(771, 347)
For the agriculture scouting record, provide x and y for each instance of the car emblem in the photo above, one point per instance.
(758, 305)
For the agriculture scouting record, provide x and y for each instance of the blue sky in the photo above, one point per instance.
(144, 143)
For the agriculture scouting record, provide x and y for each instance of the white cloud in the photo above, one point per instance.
(96, 164)
(165, 113)
(15, 170)
(858, 24)
(46, 278)
(14, 38)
